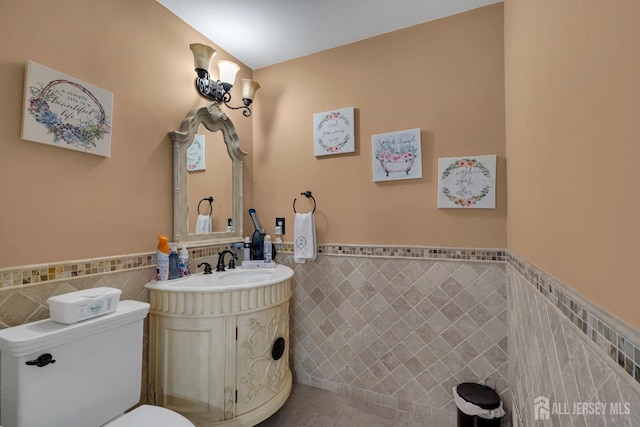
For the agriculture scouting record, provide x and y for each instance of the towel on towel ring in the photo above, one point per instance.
(304, 238)
(203, 225)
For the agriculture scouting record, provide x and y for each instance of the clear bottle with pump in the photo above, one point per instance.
(162, 258)
(184, 262)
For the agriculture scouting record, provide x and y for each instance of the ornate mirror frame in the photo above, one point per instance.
(212, 118)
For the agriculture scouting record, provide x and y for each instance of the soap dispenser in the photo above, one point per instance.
(174, 269)
(185, 262)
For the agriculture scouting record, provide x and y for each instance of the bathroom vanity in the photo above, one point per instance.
(219, 345)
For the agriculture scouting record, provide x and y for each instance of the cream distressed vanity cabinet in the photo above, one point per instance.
(219, 354)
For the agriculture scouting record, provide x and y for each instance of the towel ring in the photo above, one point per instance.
(308, 195)
(208, 199)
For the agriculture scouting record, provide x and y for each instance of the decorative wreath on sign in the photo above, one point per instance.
(466, 163)
(84, 134)
(334, 116)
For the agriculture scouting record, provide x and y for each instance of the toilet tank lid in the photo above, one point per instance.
(45, 334)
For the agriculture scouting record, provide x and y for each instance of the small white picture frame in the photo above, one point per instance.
(196, 154)
(467, 182)
(397, 155)
(333, 132)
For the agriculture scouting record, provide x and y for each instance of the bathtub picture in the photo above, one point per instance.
(396, 155)
(467, 182)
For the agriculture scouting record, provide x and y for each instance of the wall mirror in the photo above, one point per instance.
(208, 145)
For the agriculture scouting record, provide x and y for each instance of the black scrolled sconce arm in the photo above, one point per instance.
(245, 107)
(218, 92)
(208, 88)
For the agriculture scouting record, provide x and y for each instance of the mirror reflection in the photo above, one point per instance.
(209, 176)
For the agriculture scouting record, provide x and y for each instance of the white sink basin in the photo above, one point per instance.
(238, 278)
(244, 277)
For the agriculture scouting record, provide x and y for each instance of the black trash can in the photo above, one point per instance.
(482, 396)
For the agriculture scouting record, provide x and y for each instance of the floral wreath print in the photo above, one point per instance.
(337, 147)
(82, 135)
(466, 163)
(193, 156)
(301, 242)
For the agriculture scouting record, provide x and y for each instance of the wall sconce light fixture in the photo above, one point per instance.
(220, 90)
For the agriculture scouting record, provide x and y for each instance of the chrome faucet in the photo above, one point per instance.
(232, 263)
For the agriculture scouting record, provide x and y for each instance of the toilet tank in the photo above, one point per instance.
(96, 375)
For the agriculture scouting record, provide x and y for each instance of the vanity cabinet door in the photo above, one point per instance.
(191, 358)
(261, 371)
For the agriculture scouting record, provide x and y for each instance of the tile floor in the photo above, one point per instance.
(312, 407)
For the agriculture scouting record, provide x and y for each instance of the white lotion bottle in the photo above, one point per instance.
(246, 250)
(267, 248)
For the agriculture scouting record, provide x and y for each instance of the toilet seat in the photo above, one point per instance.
(150, 416)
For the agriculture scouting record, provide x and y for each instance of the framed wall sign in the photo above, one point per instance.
(65, 112)
(397, 155)
(333, 132)
(195, 155)
(467, 182)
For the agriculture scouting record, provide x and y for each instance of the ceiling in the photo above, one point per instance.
(265, 32)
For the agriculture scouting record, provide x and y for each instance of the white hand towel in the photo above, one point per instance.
(203, 225)
(304, 238)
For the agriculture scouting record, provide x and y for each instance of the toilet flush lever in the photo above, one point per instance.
(42, 360)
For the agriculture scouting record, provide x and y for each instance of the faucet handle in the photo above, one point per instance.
(232, 262)
(207, 267)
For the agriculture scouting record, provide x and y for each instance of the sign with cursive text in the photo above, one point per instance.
(65, 112)
(467, 182)
(333, 132)
(397, 155)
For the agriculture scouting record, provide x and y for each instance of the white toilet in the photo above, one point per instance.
(90, 373)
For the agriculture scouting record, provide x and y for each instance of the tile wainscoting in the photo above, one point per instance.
(566, 355)
(400, 326)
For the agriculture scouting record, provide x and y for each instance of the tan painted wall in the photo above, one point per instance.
(445, 77)
(62, 205)
(572, 102)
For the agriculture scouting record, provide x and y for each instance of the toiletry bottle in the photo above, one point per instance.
(174, 269)
(162, 258)
(185, 262)
(246, 250)
(229, 225)
(267, 248)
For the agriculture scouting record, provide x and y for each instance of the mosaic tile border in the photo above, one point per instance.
(12, 277)
(423, 252)
(28, 275)
(618, 340)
